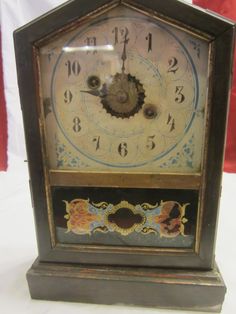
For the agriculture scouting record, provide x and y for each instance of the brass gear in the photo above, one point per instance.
(123, 95)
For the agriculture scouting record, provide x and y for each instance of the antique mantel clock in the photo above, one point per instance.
(125, 106)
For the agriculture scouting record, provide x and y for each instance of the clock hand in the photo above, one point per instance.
(92, 92)
(97, 93)
(124, 54)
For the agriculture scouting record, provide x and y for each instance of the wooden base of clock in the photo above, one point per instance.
(154, 287)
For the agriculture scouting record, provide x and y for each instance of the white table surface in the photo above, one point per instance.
(18, 250)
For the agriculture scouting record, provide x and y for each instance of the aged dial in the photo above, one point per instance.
(128, 93)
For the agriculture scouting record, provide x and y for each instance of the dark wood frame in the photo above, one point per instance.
(220, 32)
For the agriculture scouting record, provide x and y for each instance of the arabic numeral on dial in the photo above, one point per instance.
(149, 39)
(68, 96)
(96, 140)
(171, 122)
(120, 34)
(180, 98)
(123, 149)
(76, 124)
(173, 65)
(115, 32)
(150, 142)
(91, 43)
(73, 68)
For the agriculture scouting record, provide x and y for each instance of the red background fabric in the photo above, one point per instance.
(228, 9)
(3, 119)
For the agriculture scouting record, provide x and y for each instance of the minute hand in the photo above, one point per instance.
(124, 55)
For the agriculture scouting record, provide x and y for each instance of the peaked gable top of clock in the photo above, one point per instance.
(188, 16)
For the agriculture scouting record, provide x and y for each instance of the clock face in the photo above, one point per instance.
(125, 92)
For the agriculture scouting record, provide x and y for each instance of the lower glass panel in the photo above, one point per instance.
(125, 217)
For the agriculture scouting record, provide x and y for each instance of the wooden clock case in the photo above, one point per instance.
(186, 279)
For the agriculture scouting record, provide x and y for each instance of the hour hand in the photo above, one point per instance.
(92, 92)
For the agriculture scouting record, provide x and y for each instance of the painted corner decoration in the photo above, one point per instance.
(166, 219)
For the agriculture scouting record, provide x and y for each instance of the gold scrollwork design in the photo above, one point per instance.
(148, 231)
(124, 230)
(168, 220)
(147, 206)
(173, 227)
(102, 205)
(102, 229)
